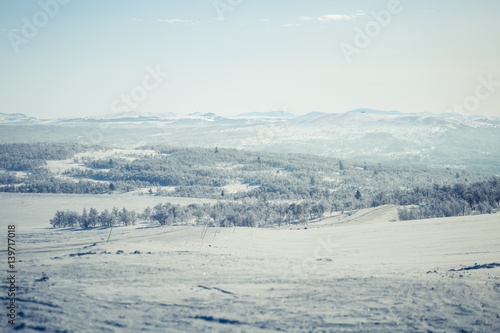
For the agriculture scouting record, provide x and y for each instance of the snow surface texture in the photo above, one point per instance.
(356, 272)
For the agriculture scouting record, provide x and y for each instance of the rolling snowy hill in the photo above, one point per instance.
(349, 273)
(426, 140)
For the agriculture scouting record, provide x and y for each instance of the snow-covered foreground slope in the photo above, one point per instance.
(363, 272)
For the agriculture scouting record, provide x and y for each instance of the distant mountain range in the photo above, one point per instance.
(269, 115)
(138, 117)
(391, 137)
(169, 117)
(15, 118)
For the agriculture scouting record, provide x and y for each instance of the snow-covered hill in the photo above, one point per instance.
(360, 272)
(273, 115)
(383, 137)
(424, 139)
(15, 118)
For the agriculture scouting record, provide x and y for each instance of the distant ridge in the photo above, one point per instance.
(373, 111)
(271, 114)
(391, 113)
(314, 114)
(399, 113)
(15, 118)
(134, 116)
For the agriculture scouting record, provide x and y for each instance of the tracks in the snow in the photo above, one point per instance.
(79, 245)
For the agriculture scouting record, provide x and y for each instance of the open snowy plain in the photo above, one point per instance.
(363, 272)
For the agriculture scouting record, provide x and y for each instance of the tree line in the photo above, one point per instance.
(438, 201)
(221, 214)
(92, 218)
(456, 200)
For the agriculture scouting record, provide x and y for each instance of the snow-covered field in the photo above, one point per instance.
(363, 272)
(33, 211)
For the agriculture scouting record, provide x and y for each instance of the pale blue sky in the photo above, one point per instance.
(264, 55)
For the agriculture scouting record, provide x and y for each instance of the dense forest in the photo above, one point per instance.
(289, 187)
(29, 156)
(456, 200)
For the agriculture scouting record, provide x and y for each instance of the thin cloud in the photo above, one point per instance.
(333, 17)
(291, 25)
(178, 21)
(305, 18)
(266, 20)
(11, 30)
(341, 17)
(136, 20)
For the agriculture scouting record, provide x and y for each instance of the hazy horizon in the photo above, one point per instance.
(256, 114)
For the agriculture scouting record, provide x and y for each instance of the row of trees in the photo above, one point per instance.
(224, 214)
(246, 213)
(92, 218)
(227, 214)
(59, 186)
(456, 200)
(438, 201)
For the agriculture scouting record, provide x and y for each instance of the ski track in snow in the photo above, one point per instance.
(355, 273)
